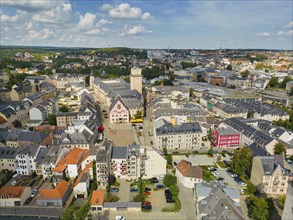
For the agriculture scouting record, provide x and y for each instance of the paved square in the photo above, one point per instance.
(120, 134)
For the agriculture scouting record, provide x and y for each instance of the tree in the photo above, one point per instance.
(273, 82)
(82, 212)
(187, 65)
(250, 114)
(279, 148)
(87, 80)
(111, 179)
(257, 208)
(191, 90)
(138, 114)
(251, 188)
(245, 74)
(17, 124)
(52, 119)
(281, 200)
(211, 152)
(34, 174)
(229, 67)
(165, 152)
(284, 82)
(241, 161)
(169, 180)
(68, 214)
(169, 159)
(64, 108)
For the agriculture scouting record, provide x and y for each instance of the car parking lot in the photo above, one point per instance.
(196, 160)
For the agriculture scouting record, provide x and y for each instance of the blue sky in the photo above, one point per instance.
(202, 24)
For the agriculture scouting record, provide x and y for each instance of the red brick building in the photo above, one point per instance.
(225, 138)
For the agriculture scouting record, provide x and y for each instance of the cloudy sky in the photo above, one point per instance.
(148, 23)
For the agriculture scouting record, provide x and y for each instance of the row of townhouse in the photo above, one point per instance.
(254, 133)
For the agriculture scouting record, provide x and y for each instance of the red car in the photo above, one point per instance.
(106, 116)
(147, 193)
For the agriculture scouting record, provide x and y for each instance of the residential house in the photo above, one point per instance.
(69, 166)
(151, 163)
(25, 159)
(66, 118)
(187, 174)
(225, 137)
(21, 91)
(103, 159)
(14, 195)
(269, 175)
(187, 136)
(54, 197)
(228, 111)
(82, 183)
(7, 158)
(97, 200)
(217, 201)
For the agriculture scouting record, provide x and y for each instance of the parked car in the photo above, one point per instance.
(221, 180)
(147, 193)
(13, 183)
(154, 180)
(140, 127)
(133, 189)
(34, 193)
(147, 205)
(146, 189)
(160, 186)
(167, 191)
(241, 191)
(120, 217)
(114, 190)
(160, 177)
(226, 163)
(215, 173)
(15, 175)
(169, 199)
(175, 164)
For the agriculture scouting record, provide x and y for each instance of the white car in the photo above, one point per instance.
(241, 191)
(118, 217)
(216, 173)
(160, 177)
(13, 183)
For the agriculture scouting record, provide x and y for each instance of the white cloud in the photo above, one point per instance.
(87, 21)
(289, 25)
(36, 5)
(104, 21)
(263, 34)
(59, 14)
(135, 31)
(29, 26)
(9, 19)
(105, 7)
(97, 31)
(43, 34)
(283, 34)
(125, 11)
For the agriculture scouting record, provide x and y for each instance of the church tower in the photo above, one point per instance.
(136, 79)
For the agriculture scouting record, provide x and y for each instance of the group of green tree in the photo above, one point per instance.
(168, 157)
(80, 213)
(187, 65)
(258, 58)
(274, 82)
(288, 123)
(241, 162)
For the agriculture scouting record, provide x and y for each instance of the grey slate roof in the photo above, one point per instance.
(8, 152)
(33, 136)
(184, 128)
(119, 153)
(218, 202)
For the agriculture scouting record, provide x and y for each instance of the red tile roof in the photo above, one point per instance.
(57, 193)
(188, 170)
(85, 170)
(12, 191)
(97, 197)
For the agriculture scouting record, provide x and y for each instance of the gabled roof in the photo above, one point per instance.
(57, 193)
(97, 197)
(187, 170)
(83, 176)
(119, 153)
(11, 191)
